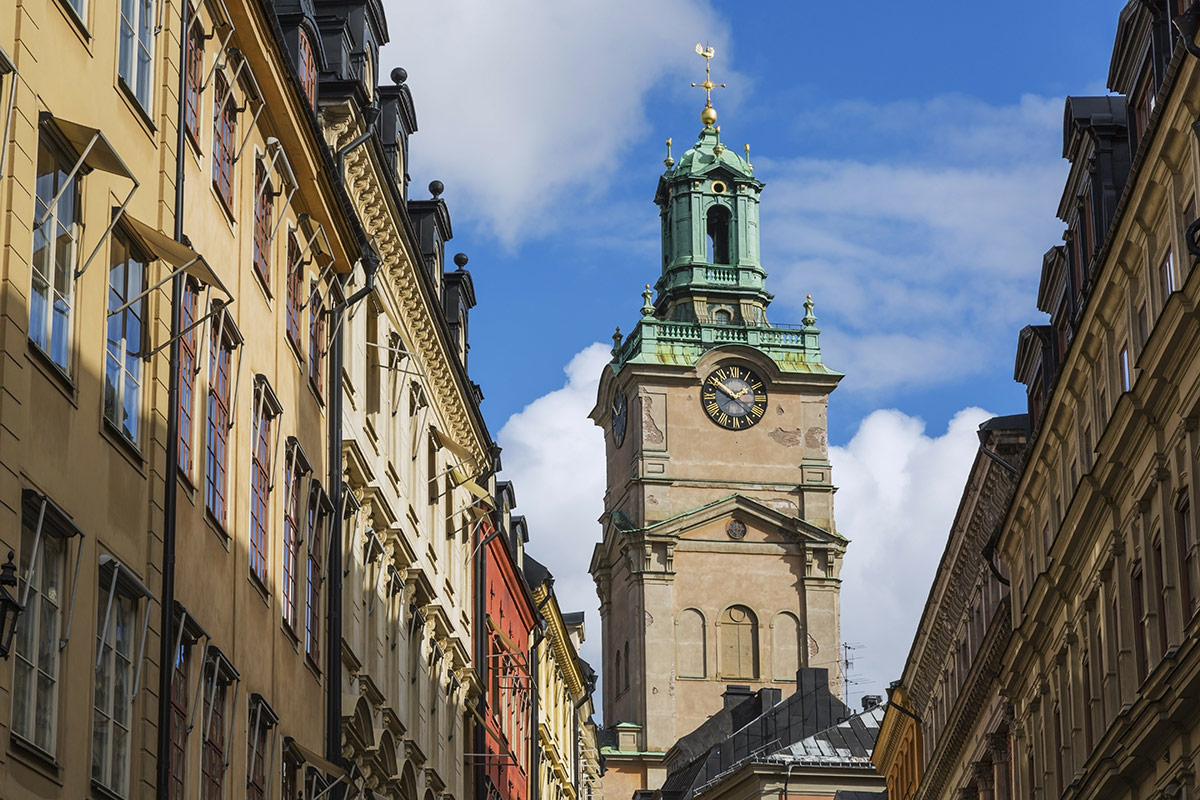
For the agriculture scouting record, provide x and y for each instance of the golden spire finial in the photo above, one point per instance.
(709, 115)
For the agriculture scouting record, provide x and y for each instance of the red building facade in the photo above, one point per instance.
(506, 630)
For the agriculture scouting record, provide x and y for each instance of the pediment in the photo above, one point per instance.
(763, 523)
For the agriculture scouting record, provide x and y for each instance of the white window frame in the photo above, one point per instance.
(262, 716)
(124, 595)
(48, 521)
(135, 49)
(133, 304)
(46, 218)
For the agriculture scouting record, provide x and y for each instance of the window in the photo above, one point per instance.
(1143, 102)
(135, 59)
(187, 374)
(220, 359)
(257, 743)
(1139, 622)
(1143, 327)
(785, 646)
(56, 230)
(1166, 273)
(224, 123)
(1187, 558)
(35, 649)
(718, 230)
(260, 484)
(314, 577)
(195, 77)
(126, 338)
(295, 292)
(308, 69)
(316, 341)
(689, 644)
(1160, 594)
(264, 203)
(1123, 365)
(292, 495)
(739, 643)
(179, 723)
(115, 633)
(617, 673)
(212, 752)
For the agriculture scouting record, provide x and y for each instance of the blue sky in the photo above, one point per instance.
(911, 153)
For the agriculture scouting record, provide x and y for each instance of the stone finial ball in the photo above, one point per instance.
(399, 75)
(460, 260)
(436, 188)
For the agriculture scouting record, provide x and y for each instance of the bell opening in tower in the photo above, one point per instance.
(718, 235)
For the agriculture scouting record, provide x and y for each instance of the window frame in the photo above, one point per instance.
(133, 301)
(188, 370)
(139, 82)
(317, 341)
(194, 85)
(47, 216)
(319, 509)
(125, 592)
(267, 411)
(296, 467)
(295, 293)
(264, 206)
(306, 67)
(224, 139)
(219, 404)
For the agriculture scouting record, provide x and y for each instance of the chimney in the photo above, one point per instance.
(736, 694)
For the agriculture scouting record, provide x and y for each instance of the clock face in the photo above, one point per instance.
(734, 397)
(620, 418)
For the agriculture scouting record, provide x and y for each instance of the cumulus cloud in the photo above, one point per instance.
(923, 263)
(899, 488)
(521, 101)
(554, 456)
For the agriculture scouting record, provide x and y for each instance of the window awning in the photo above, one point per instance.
(178, 255)
(93, 147)
(311, 758)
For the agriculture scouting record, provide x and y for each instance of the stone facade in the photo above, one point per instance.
(947, 728)
(719, 561)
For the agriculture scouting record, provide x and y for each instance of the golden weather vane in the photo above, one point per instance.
(708, 116)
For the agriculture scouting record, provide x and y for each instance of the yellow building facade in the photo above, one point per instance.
(566, 758)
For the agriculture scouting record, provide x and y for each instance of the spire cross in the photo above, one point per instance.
(707, 54)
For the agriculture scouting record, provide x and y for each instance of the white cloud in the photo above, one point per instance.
(521, 101)
(923, 263)
(899, 488)
(554, 456)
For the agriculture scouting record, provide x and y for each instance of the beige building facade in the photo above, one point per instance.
(719, 561)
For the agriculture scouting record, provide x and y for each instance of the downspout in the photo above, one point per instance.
(166, 658)
(539, 634)
(333, 625)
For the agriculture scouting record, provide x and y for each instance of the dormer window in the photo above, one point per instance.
(1143, 101)
(718, 229)
(308, 69)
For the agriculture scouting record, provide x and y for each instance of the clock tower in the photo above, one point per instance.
(718, 567)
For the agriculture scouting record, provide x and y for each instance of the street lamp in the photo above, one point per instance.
(10, 608)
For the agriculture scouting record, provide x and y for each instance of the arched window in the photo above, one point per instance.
(718, 235)
(738, 634)
(617, 686)
(625, 673)
(689, 644)
(785, 646)
(723, 316)
(308, 69)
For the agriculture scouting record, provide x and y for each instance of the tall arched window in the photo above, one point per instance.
(617, 686)
(718, 230)
(738, 634)
(690, 644)
(625, 673)
(785, 646)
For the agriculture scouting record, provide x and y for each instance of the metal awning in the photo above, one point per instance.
(178, 255)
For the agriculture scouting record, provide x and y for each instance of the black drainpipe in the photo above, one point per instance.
(166, 658)
(535, 757)
(483, 706)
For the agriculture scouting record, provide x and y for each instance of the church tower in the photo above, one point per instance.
(719, 562)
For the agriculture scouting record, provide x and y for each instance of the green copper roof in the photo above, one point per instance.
(707, 155)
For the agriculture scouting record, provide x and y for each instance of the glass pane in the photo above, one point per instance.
(44, 722)
(21, 688)
(120, 758)
(99, 745)
(125, 55)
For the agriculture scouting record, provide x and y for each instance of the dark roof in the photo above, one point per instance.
(763, 726)
(536, 573)
(848, 742)
(573, 618)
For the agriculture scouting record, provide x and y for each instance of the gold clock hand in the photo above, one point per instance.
(725, 389)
